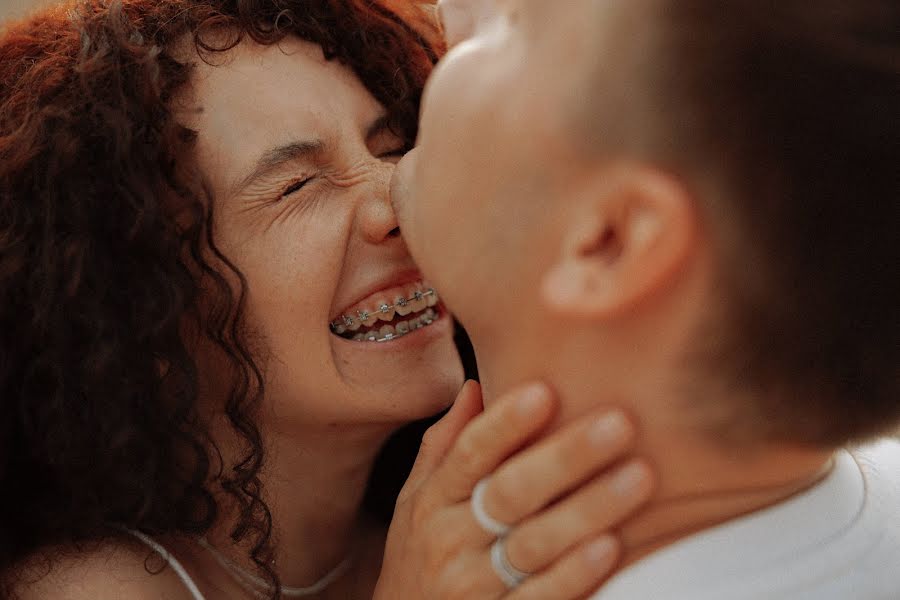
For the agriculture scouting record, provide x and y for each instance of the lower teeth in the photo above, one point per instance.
(404, 328)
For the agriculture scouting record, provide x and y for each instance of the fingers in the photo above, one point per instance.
(596, 508)
(440, 437)
(539, 475)
(490, 438)
(574, 576)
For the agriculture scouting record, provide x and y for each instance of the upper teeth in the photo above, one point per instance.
(401, 306)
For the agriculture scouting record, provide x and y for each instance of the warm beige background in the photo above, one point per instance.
(17, 8)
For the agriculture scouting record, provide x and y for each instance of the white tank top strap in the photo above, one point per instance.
(173, 562)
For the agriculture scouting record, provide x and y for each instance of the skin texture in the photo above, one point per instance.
(598, 270)
(307, 255)
(310, 253)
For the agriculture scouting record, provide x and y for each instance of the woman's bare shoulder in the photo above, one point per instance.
(107, 571)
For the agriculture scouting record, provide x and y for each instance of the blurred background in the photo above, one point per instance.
(17, 8)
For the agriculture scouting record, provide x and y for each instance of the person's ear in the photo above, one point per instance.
(629, 232)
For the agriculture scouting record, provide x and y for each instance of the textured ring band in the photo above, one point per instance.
(487, 522)
(511, 576)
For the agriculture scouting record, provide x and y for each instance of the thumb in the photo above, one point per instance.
(440, 437)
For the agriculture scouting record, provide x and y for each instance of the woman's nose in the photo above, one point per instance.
(377, 220)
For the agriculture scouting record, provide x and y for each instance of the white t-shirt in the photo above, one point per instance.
(839, 540)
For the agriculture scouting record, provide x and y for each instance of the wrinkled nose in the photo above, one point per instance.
(378, 223)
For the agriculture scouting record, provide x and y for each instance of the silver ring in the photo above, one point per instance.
(487, 522)
(508, 574)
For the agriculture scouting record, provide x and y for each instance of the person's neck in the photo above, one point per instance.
(701, 482)
(702, 485)
(314, 481)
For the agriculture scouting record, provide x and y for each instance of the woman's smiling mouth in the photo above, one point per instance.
(389, 314)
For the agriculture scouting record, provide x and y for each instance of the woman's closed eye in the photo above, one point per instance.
(295, 186)
(298, 184)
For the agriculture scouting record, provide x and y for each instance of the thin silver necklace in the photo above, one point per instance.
(261, 588)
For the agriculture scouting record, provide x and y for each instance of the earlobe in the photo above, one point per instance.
(627, 238)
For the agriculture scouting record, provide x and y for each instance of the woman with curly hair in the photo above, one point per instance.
(200, 267)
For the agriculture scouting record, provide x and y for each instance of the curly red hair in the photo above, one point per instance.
(104, 228)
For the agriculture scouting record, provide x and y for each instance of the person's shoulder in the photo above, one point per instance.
(104, 571)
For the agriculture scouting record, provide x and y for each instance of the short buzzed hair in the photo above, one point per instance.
(792, 108)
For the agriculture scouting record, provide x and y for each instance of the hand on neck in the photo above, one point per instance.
(704, 481)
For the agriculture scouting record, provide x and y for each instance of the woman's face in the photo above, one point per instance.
(298, 159)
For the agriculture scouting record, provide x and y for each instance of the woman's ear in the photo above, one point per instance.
(632, 229)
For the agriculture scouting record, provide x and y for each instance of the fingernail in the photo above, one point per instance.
(531, 398)
(626, 481)
(608, 428)
(600, 551)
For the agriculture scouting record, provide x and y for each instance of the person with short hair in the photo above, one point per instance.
(692, 207)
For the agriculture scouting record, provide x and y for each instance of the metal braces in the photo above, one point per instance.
(363, 315)
(393, 336)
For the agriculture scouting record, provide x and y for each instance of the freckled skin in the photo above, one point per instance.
(308, 253)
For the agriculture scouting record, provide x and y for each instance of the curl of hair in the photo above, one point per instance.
(105, 230)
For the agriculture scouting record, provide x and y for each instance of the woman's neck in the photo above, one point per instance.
(314, 481)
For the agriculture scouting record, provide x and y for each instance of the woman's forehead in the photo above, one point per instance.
(292, 75)
(260, 96)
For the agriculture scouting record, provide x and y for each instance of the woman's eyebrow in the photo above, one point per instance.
(275, 157)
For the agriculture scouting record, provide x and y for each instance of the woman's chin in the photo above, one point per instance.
(424, 391)
(411, 383)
